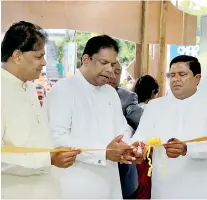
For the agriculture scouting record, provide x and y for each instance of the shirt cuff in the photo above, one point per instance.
(94, 158)
(26, 164)
(42, 160)
(197, 151)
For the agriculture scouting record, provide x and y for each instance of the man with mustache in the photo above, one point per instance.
(41, 93)
(23, 122)
(85, 112)
(176, 118)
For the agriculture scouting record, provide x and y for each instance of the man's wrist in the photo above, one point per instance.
(107, 156)
(185, 150)
(52, 158)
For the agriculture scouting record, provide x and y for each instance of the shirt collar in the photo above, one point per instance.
(89, 85)
(142, 105)
(189, 99)
(13, 79)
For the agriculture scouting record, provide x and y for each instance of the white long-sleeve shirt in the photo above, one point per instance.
(167, 117)
(23, 124)
(85, 116)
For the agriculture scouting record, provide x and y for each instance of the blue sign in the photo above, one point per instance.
(176, 50)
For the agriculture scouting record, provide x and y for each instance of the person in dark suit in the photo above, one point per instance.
(132, 112)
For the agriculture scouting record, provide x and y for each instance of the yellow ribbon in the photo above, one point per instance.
(12, 149)
(156, 142)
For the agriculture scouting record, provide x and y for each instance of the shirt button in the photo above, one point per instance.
(99, 162)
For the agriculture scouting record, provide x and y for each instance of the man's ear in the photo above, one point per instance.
(17, 56)
(85, 59)
(153, 93)
(198, 78)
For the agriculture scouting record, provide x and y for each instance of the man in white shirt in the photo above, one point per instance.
(23, 124)
(176, 118)
(202, 86)
(85, 112)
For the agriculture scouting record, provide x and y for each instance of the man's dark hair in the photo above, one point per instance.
(144, 88)
(95, 44)
(55, 80)
(193, 63)
(23, 36)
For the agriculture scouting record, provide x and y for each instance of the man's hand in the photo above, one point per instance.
(175, 148)
(116, 149)
(132, 156)
(64, 159)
